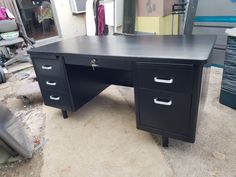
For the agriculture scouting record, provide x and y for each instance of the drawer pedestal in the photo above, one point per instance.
(166, 98)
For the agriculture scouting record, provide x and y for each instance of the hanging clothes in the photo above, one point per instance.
(96, 19)
(90, 21)
(101, 20)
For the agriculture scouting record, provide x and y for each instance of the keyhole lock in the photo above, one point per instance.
(93, 64)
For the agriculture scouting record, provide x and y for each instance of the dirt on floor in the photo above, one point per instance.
(33, 120)
(27, 167)
(213, 154)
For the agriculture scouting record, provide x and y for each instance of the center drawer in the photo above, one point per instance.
(97, 62)
(174, 78)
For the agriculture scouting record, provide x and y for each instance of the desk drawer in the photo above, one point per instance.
(97, 62)
(56, 99)
(164, 110)
(49, 67)
(174, 78)
(53, 83)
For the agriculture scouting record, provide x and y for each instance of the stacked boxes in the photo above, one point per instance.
(154, 16)
(154, 8)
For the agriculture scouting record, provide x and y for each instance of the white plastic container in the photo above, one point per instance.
(10, 35)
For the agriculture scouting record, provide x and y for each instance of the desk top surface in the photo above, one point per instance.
(196, 47)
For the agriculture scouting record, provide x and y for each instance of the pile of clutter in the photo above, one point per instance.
(11, 38)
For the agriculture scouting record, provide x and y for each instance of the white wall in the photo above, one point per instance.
(68, 25)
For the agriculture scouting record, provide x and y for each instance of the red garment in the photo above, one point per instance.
(101, 20)
(3, 13)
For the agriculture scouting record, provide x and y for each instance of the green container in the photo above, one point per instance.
(228, 87)
(228, 99)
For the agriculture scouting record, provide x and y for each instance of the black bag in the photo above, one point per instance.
(3, 59)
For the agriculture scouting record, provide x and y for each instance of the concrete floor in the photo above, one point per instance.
(101, 139)
(214, 152)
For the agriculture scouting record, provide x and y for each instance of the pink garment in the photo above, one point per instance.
(101, 20)
(3, 13)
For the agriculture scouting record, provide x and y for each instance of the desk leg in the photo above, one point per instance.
(165, 141)
(64, 113)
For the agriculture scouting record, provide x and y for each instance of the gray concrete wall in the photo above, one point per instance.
(216, 8)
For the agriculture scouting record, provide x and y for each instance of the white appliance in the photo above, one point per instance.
(78, 6)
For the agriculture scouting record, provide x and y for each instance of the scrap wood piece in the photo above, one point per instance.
(22, 75)
(19, 67)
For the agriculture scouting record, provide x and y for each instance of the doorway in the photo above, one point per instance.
(38, 18)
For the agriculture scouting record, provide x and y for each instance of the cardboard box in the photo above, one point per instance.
(156, 25)
(154, 8)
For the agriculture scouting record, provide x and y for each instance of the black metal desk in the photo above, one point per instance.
(165, 71)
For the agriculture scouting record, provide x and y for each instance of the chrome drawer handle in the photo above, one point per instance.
(94, 65)
(55, 98)
(163, 81)
(168, 103)
(51, 83)
(46, 67)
